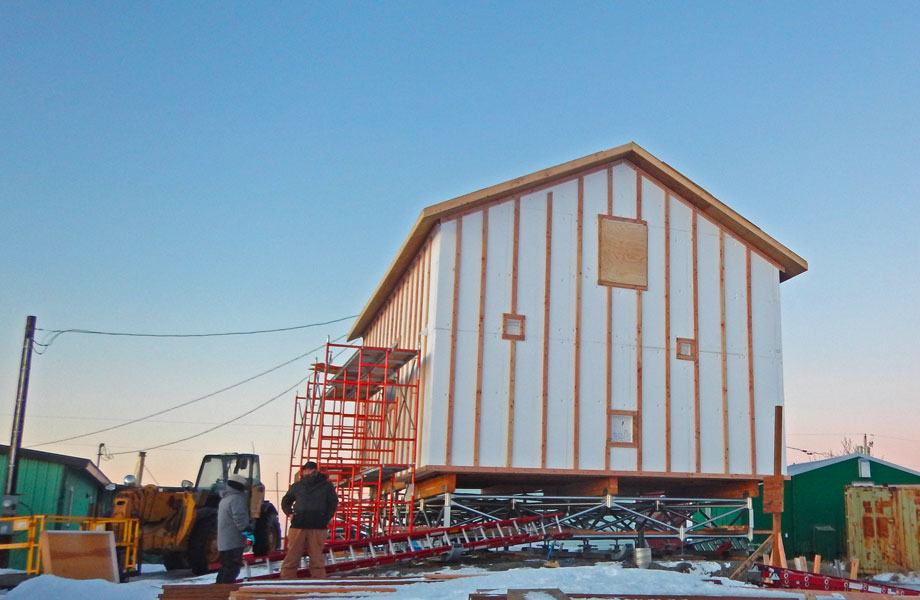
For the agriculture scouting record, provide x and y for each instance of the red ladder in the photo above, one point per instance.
(346, 555)
(790, 578)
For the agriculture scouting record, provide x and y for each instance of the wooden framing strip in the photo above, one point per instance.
(479, 348)
(579, 236)
(694, 240)
(750, 357)
(609, 361)
(667, 331)
(452, 372)
(724, 356)
(515, 237)
(639, 339)
(546, 290)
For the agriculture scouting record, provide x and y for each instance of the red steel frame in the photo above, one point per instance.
(358, 421)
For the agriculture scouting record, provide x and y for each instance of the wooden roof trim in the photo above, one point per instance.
(792, 264)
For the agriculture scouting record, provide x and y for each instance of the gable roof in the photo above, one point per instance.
(80, 464)
(799, 468)
(792, 264)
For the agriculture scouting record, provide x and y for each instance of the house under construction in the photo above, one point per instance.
(601, 328)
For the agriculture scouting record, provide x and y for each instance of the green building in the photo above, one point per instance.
(814, 513)
(53, 484)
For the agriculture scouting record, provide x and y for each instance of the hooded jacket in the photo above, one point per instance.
(232, 520)
(312, 501)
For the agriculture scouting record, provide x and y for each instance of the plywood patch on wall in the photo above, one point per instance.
(622, 252)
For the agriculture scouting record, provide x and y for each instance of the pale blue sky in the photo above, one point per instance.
(196, 167)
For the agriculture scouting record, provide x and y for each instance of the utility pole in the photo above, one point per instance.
(19, 417)
(99, 454)
(141, 457)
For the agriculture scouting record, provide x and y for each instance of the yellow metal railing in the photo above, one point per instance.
(125, 530)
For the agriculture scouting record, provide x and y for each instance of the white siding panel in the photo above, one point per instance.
(593, 389)
(624, 369)
(653, 333)
(559, 442)
(710, 348)
(768, 383)
(442, 284)
(425, 393)
(467, 340)
(528, 394)
(683, 438)
(739, 427)
(623, 459)
(496, 352)
(624, 349)
(624, 191)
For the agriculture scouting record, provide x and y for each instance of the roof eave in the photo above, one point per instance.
(791, 264)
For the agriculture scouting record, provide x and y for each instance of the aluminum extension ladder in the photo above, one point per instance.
(346, 555)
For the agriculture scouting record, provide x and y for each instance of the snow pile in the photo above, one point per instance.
(606, 578)
(51, 587)
(909, 580)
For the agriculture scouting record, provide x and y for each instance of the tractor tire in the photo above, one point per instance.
(267, 532)
(173, 561)
(202, 546)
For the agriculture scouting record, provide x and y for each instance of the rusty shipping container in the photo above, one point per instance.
(883, 527)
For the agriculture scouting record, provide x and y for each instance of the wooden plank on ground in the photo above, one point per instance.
(749, 562)
(79, 554)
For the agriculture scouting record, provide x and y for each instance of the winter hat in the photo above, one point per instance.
(309, 465)
(238, 481)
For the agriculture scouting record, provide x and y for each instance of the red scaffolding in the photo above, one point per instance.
(358, 421)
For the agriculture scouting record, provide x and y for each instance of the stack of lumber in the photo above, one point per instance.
(295, 589)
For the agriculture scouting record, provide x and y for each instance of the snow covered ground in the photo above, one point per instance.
(604, 578)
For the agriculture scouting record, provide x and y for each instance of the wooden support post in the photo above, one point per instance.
(817, 568)
(774, 498)
(854, 568)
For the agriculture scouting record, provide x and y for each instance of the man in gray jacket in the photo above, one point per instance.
(232, 527)
(311, 502)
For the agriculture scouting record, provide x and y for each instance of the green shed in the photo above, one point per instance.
(54, 484)
(814, 515)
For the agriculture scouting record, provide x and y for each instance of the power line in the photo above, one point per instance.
(236, 418)
(187, 403)
(55, 333)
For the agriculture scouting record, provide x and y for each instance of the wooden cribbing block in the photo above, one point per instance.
(79, 554)
(214, 591)
(264, 591)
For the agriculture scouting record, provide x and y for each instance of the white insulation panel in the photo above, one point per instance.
(606, 372)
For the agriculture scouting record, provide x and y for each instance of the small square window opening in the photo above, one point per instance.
(622, 428)
(686, 349)
(513, 327)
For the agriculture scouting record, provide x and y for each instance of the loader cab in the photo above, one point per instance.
(217, 468)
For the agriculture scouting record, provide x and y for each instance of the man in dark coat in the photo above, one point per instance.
(312, 502)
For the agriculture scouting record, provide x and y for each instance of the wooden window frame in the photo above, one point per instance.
(684, 356)
(635, 428)
(508, 336)
(600, 281)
